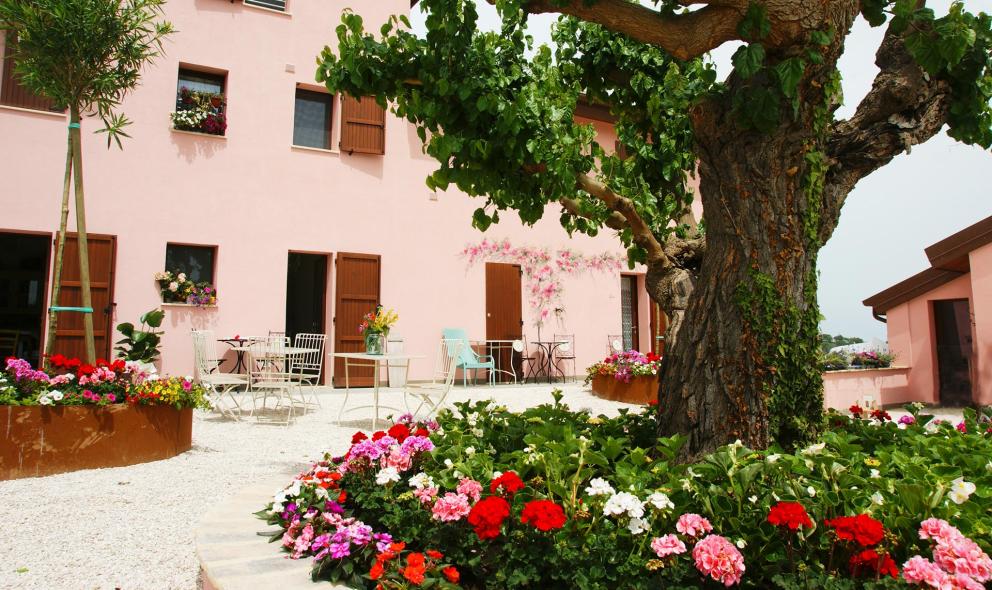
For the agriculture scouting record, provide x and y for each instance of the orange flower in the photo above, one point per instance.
(377, 570)
(434, 554)
(451, 573)
(415, 568)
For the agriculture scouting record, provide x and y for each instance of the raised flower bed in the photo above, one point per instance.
(78, 416)
(629, 376)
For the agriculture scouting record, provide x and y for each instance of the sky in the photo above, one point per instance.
(893, 214)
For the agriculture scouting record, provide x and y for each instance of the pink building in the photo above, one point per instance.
(307, 211)
(940, 324)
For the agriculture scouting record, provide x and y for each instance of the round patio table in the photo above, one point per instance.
(237, 345)
(549, 347)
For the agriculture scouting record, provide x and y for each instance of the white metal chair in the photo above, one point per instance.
(218, 385)
(307, 368)
(434, 393)
(267, 366)
(565, 353)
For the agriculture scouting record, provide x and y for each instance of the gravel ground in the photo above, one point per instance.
(132, 527)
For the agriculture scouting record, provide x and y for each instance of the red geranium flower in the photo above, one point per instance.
(856, 410)
(86, 369)
(862, 529)
(358, 437)
(57, 360)
(870, 563)
(73, 363)
(510, 482)
(378, 434)
(377, 570)
(487, 516)
(422, 432)
(880, 415)
(789, 514)
(415, 568)
(434, 554)
(451, 573)
(399, 431)
(118, 366)
(342, 497)
(544, 515)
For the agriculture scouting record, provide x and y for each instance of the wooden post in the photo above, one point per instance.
(84, 258)
(59, 250)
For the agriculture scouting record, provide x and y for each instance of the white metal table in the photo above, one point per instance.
(377, 361)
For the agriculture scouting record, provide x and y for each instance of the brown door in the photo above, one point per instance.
(69, 336)
(952, 323)
(504, 312)
(628, 312)
(659, 324)
(356, 294)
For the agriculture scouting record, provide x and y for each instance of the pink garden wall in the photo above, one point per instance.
(256, 197)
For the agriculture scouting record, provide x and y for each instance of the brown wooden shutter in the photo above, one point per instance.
(363, 126)
(12, 93)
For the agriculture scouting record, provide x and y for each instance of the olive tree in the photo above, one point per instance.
(84, 55)
(775, 165)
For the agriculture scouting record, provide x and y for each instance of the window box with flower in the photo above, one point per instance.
(628, 376)
(200, 112)
(178, 289)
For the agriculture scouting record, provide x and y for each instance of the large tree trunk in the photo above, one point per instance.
(59, 251)
(744, 363)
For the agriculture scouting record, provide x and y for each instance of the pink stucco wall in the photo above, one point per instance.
(255, 197)
(981, 308)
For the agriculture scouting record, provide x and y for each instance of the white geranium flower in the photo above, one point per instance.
(173, 286)
(448, 463)
(961, 490)
(478, 432)
(772, 458)
(470, 451)
(877, 499)
(875, 474)
(741, 543)
(320, 493)
(737, 444)
(458, 474)
(686, 485)
(811, 491)
(387, 475)
(421, 481)
(988, 466)
(752, 499)
(497, 474)
(55, 394)
(932, 426)
(181, 278)
(636, 526)
(599, 487)
(46, 401)
(661, 501)
(814, 449)
(276, 508)
(624, 503)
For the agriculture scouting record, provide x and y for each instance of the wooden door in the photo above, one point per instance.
(952, 326)
(504, 311)
(69, 335)
(629, 321)
(356, 294)
(659, 325)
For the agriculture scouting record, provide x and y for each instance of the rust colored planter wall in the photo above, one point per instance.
(640, 390)
(42, 440)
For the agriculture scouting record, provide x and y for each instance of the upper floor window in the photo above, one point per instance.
(279, 5)
(188, 275)
(200, 102)
(12, 93)
(312, 119)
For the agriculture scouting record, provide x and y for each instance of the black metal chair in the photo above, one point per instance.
(565, 353)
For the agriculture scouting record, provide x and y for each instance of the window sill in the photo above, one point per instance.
(187, 305)
(198, 133)
(306, 148)
(57, 114)
(271, 10)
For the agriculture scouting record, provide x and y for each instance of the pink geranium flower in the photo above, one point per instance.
(919, 570)
(693, 525)
(470, 488)
(667, 545)
(451, 507)
(717, 558)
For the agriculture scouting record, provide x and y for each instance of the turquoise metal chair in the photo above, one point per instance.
(468, 359)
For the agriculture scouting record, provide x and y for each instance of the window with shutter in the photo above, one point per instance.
(279, 5)
(363, 126)
(12, 93)
(312, 119)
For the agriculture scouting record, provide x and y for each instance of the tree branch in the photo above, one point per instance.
(685, 36)
(613, 221)
(905, 107)
(643, 236)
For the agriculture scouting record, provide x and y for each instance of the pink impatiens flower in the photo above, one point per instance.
(451, 507)
(693, 525)
(667, 545)
(717, 557)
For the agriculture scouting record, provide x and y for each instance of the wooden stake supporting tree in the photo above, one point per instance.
(85, 55)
